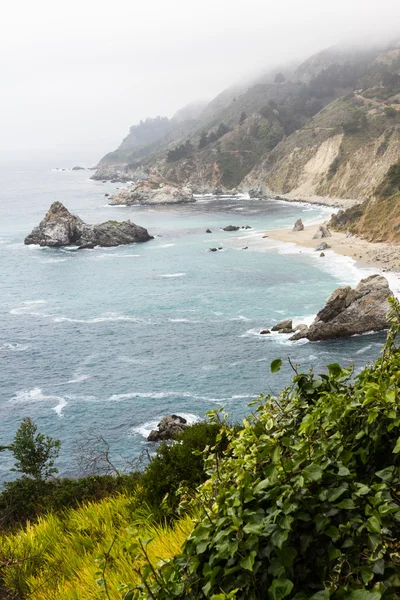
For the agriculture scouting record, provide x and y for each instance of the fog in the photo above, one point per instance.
(76, 75)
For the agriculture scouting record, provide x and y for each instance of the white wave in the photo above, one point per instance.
(181, 321)
(49, 261)
(240, 318)
(35, 395)
(114, 255)
(167, 275)
(10, 347)
(58, 409)
(113, 317)
(365, 349)
(29, 308)
(78, 379)
(163, 246)
(161, 395)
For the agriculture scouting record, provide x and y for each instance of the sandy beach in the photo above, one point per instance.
(380, 255)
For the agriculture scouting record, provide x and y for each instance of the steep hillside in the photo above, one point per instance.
(332, 129)
(376, 219)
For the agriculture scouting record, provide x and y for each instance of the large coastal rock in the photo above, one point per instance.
(298, 226)
(61, 228)
(351, 311)
(152, 192)
(168, 429)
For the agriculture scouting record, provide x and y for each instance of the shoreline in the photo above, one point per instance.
(378, 255)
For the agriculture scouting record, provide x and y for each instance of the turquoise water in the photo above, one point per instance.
(113, 339)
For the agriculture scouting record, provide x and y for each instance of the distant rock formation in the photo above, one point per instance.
(298, 226)
(322, 246)
(61, 228)
(168, 428)
(152, 192)
(78, 168)
(351, 311)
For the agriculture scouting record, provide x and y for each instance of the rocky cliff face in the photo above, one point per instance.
(61, 228)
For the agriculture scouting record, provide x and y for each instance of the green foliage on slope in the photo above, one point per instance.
(306, 501)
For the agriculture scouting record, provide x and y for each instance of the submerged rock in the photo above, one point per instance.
(61, 228)
(152, 192)
(298, 226)
(168, 428)
(351, 311)
(265, 332)
(231, 228)
(208, 231)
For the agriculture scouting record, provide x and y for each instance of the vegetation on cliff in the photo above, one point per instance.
(376, 219)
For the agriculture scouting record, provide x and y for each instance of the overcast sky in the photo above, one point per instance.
(75, 75)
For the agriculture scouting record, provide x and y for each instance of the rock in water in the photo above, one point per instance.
(351, 311)
(168, 428)
(322, 232)
(152, 192)
(231, 228)
(298, 226)
(61, 228)
(283, 326)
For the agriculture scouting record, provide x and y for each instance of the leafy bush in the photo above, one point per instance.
(176, 465)
(34, 452)
(306, 504)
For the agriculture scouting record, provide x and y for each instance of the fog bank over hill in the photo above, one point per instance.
(80, 74)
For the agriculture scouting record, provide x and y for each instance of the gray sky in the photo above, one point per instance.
(75, 75)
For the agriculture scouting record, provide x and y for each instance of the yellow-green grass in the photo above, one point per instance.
(59, 556)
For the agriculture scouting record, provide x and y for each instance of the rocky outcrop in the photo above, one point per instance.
(322, 246)
(287, 324)
(298, 226)
(168, 429)
(78, 168)
(351, 311)
(231, 228)
(61, 228)
(322, 232)
(152, 192)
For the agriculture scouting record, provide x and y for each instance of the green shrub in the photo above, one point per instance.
(391, 182)
(306, 505)
(175, 465)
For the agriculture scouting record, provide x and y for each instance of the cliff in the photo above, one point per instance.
(331, 128)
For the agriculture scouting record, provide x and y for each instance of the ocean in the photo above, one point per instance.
(113, 339)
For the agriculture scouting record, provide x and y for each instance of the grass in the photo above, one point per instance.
(58, 556)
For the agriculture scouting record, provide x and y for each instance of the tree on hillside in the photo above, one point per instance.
(279, 78)
(34, 452)
(222, 130)
(243, 117)
(203, 140)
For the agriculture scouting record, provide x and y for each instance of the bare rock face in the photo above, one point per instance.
(152, 192)
(322, 232)
(298, 226)
(61, 228)
(168, 428)
(351, 311)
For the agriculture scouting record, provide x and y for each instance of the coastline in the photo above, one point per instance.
(379, 255)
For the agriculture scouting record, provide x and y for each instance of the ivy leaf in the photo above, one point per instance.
(397, 447)
(279, 589)
(347, 503)
(374, 524)
(363, 595)
(312, 473)
(248, 561)
(276, 365)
